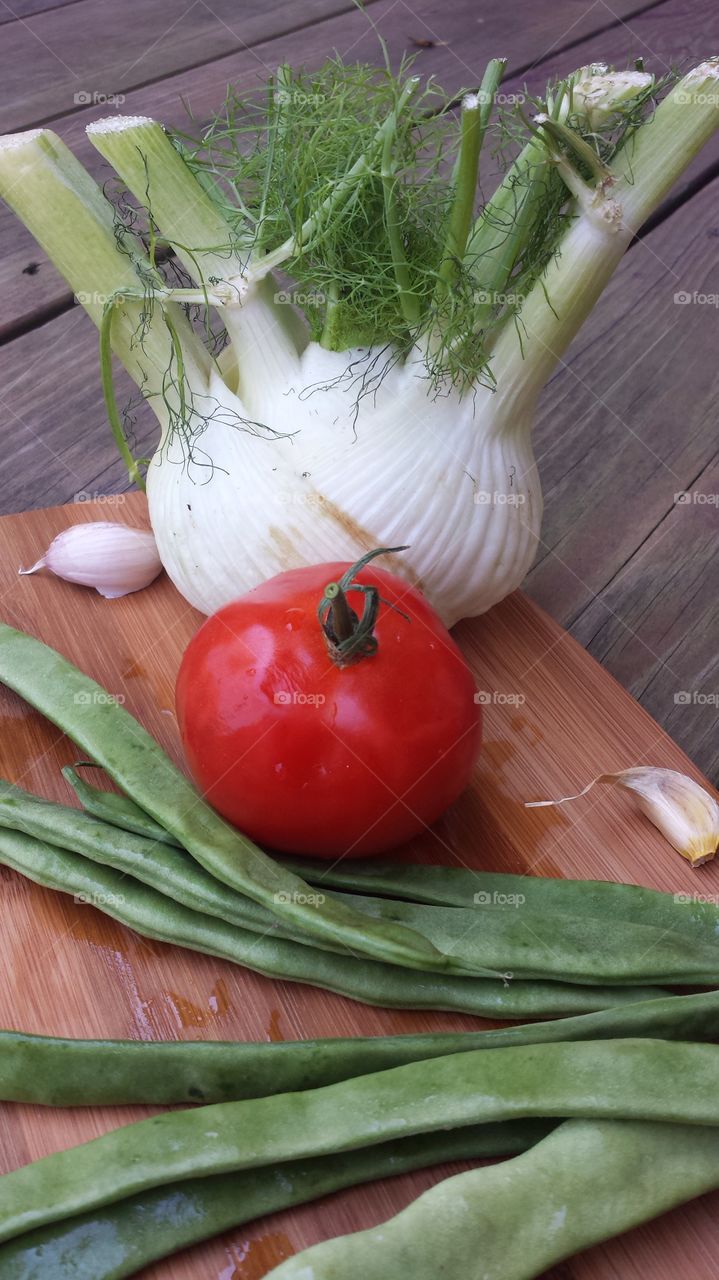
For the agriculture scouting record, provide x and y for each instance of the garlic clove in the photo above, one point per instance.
(112, 558)
(685, 813)
(682, 810)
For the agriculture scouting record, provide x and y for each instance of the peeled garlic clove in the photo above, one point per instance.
(112, 558)
(686, 814)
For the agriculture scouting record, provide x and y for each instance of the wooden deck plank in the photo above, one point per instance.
(630, 419)
(524, 34)
(108, 48)
(84, 53)
(628, 424)
(26, 8)
(655, 625)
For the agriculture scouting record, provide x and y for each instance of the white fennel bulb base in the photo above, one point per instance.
(445, 476)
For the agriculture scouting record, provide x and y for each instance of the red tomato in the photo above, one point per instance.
(311, 757)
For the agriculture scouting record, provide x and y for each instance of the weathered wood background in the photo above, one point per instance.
(627, 423)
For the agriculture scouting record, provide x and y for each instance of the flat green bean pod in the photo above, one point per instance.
(156, 916)
(488, 942)
(122, 1238)
(681, 913)
(538, 943)
(71, 1073)
(613, 1079)
(686, 913)
(118, 742)
(585, 1182)
(121, 811)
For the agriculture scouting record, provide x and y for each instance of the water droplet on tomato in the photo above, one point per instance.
(295, 618)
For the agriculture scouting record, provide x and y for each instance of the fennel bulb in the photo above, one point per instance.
(387, 394)
(466, 500)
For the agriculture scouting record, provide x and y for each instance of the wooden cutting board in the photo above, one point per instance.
(553, 720)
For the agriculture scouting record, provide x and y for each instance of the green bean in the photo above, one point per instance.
(585, 1182)
(114, 739)
(110, 807)
(72, 1073)
(120, 1239)
(614, 1079)
(173, 872)
(489, 943)
(155, 916)
(691, 914)
(170, 870)
(530, 943)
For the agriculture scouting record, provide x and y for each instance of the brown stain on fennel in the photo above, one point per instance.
(282, 542)
(366, 541)
(348, 525)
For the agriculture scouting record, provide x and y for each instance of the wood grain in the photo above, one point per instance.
(461, 40)
(627, 424)
(93, 50)
(637, 626)
(25, 8)
(553, 719)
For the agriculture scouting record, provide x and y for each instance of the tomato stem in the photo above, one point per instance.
(349, 637)
(342, 619)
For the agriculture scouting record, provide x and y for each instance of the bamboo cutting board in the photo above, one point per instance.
(553, 719)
